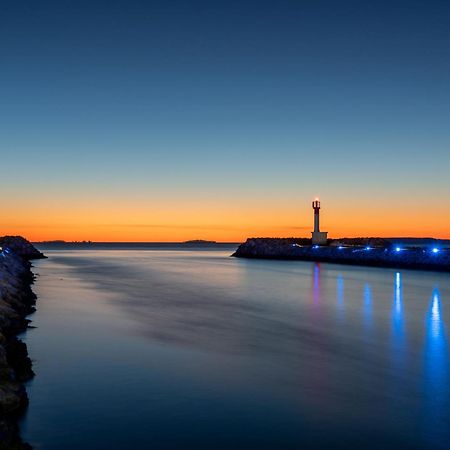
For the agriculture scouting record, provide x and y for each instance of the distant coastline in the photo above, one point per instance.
(91, 245)
(61, 241)
(199, 242)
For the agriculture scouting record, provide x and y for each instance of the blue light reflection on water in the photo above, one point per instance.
(367, 307)
(436, 373)
(316, 283)
(398, 327)
(340, 295)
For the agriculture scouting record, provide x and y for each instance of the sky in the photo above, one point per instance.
(135, 120)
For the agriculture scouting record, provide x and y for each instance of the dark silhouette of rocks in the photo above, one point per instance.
(357, 251)
(21, 247)
(16, 302)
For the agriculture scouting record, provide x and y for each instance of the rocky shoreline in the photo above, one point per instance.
(374, 252)
(17, 301)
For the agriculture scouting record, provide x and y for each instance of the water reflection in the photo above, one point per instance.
(398, 331)
(316, 284)
(398, 296)
(367, 306)
(255, 351)
(340, 295)
(436, 373)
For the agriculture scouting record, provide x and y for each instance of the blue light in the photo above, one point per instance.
(316, 246)
(368, 248)
(435, 250)
(398, 249)
(340, 247)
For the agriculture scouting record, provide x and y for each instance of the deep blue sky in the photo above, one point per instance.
(223, 101)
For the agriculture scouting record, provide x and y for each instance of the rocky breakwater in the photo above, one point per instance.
(17, 301)
(361, 251)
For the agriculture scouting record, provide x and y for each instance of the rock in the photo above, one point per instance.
(362, 241)
(359, 251)
(9, 437)
(16, 301)
(21, 247)
(18, 359)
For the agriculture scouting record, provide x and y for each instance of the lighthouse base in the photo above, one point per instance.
(319, 237)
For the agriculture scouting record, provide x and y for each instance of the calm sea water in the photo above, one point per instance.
(187, 348)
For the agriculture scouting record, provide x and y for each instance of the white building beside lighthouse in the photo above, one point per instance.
(318, 237)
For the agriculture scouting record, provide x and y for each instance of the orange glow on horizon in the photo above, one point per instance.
(169, 221)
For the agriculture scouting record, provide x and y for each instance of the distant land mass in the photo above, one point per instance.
(374, 241)
(55, 241)
(199, 241)
(75, 243)
(88, 245)
(62, 241)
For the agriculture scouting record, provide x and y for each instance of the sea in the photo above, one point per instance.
(178, 346)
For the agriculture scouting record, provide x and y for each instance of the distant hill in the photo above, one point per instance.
(199, 242)
(56, 241)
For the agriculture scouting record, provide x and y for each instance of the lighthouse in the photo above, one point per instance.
(318, 237)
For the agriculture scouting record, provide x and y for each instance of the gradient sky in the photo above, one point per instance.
(172, 120)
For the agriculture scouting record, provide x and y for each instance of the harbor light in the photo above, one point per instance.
(368, 248)
(435, 250)
(398, 249)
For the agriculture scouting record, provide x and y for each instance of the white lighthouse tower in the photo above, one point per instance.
(318, 237)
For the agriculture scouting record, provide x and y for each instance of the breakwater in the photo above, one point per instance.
(368, 253)
(17, 301)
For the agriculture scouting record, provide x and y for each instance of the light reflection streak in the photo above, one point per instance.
(397, 308)
(316, 284)
(367, 306)
(436, 377)
(340, 294)
(398, 331)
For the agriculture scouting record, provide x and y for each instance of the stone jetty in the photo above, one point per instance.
(357, 251)
(17, 301)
